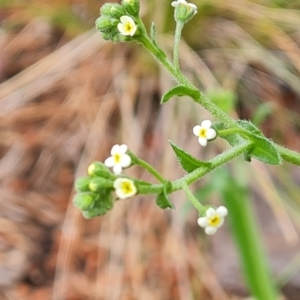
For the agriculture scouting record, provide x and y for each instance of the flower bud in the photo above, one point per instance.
(82, 184)
(183, 13)
(106, 24)
(85, 201)
(132, 7)
(97, 184)
(112, 10)
(99, 169)
(102, 205)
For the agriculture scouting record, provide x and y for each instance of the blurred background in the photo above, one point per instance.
(67, 96)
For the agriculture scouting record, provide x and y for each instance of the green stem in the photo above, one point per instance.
(289, 155)
(176, 73)
(249, 243)
(146, 166)
(192, 198)
(235, 130)
(214, 163)
(179, 26)
(161, 57)
(192, 177)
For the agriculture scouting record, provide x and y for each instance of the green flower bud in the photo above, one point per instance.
(85, 201)
(184, 12)
(106, 24)
(132, 7)
(98, 169)
(103, 204)
(112, 10)
(82, 184)
(97, 184)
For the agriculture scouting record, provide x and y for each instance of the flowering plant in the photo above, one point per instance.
(122, 23)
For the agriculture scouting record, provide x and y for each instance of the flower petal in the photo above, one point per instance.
(206, 124)
(118, 183)
(211, 134)
(202, 222)
(202, 141)
(125, 161)
(115, 148)
(193, 6)
(123, 148)
(220, 223)
(117, 169)
(196, 130)
(222, 211)
(109, 162)
(210, 230)
(210, 212)
(126, 19)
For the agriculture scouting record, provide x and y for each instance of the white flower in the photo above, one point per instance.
(191, 5)
(213, 220)
(119, 159)
(127, 26)
(204, 132)
(124, 188)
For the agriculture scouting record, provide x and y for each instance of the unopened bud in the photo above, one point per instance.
(98, 169)
(184, 12)
(97, 184)
(82, 184)
(132, 7)
(112, 10)
(85, 201)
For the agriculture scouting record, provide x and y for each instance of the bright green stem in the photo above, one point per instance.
(179, 26)
(192, 177)
(146, 166)
(192, 198)
(214, 163)
(244, 227)
(235, 130)
(176, 73)
(289, 155)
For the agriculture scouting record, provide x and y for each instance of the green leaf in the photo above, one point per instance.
(250, 127)
(180, 91)
(162, 199)
(187, 161)
(264, 149)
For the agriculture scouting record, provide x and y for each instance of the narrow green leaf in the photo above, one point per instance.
(187, 161)
(180, 91)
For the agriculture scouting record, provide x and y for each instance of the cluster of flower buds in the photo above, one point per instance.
(95, 192)
(118, 22)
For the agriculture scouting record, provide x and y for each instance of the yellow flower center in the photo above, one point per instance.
(127, 187)
(128, 27)
(117, 158)
(214, 221)
(202, 132)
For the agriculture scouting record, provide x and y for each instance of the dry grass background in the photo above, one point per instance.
(67, 96)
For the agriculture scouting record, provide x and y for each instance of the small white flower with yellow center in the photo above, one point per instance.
(204, 132)
(119, 159)
(127, 26)
(191, 5)
(213, 220)
(124, 188)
